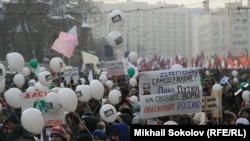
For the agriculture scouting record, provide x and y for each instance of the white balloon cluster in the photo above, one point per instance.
(116, 20)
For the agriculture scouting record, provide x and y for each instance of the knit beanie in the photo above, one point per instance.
(58, 130)
(100, 133)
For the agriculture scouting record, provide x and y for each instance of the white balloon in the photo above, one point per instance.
(116, 19)
(41, 87)
(68, 99)
(133, 99)
(110, 84)
(234, 73)
(55, 89)
(132, 82)
(52, 103)
(32, 120)
(96, 89)
(216, 88)
(104, 73)
(30, 89)
(115, 39)
(2, 71)
(108, 113)
(19, 80)
(16, 61)
(2, 85)
(235, 80)
(26, 71)
(246, 96)
(13, 97)
(103, 78)
(83, 93)
(83, 81)
(114, 96)
(170, 122)
(207, 73)
(133, 57)
(56, 64)
(62, 85)
(176, 67)
(45, 78)
(41, 69)
(31, 82)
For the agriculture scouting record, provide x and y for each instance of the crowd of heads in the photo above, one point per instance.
(85, 124)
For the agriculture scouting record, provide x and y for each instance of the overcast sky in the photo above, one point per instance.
(187, 3)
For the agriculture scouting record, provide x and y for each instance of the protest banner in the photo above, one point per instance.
(172, 92)
(114, 68)
(37, 99)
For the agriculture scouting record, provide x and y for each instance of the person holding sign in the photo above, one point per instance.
(146, 89)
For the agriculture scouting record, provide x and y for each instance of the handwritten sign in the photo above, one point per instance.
(114, 68)
(172, 92)
(71, 74)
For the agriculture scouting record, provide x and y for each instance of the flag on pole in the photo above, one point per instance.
(90, 76)
(66, 43)
(127, 65)
(89, 58)
(73, 31)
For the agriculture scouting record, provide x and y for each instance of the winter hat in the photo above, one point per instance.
(242, 121)
(58, 130)
(137, 120)
(126, 111)
(126, 118)
(84, 137)
(100, 133)
(90, 123)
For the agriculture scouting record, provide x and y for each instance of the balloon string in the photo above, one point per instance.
(90, 110)
(13, 112)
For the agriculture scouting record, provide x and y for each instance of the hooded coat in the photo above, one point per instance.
(123, 131)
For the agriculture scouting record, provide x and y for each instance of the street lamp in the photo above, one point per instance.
(84, 20)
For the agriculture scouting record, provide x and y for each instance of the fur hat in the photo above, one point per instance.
(58, 130)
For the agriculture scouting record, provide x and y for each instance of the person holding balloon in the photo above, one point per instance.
(14, 126)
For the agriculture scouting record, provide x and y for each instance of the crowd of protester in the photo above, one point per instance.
(85, 123)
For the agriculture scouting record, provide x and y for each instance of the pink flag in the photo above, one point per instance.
(65, 44)
(73, 30)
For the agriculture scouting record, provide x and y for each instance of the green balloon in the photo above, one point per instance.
(50, 87)
(33, 63)
(242, 84)
(131, 72)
